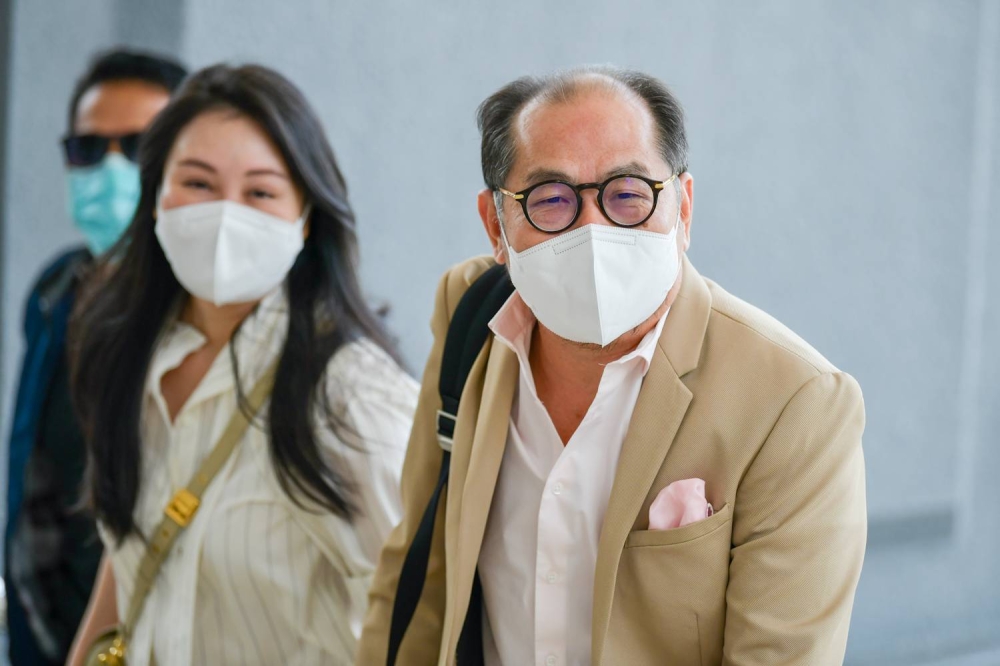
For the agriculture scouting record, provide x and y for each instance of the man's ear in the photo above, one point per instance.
(686, 181)
(491, 222)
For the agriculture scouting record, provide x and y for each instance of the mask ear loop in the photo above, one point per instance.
(510, 251)
(677, 190)
(156, 208)
(306, 212)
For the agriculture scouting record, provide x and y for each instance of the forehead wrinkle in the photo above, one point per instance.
(595, 86)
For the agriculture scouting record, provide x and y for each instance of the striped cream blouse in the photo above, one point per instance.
(256, 579)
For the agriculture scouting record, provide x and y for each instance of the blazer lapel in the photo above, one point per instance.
(488, 443)
(663, 401)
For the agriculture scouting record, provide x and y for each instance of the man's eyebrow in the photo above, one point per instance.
(541, 175)
(632, 168)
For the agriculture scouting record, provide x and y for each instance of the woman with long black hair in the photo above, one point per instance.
(237, 529)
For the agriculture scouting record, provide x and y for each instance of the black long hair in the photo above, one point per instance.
(118, 321)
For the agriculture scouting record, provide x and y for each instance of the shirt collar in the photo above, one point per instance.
(514, 323)
(259, 340)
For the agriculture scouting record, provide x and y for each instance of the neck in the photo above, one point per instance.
(568, 374)
(216, 322)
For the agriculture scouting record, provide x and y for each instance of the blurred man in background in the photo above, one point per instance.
(52, 550)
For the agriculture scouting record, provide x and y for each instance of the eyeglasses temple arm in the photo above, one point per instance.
(514, 195)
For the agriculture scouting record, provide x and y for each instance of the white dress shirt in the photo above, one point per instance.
(540, 546)
(256, 579)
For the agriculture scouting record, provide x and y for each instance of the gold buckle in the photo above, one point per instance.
(182, 507)
(115, 656)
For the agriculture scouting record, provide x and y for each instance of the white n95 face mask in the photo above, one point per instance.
(596, 282)
(225, 252)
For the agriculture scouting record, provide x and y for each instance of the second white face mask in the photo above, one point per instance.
(596, 282)
(225, 252)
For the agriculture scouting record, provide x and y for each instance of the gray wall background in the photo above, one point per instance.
(5, 33)
(846, 162)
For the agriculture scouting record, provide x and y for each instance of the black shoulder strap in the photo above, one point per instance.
(467, 333)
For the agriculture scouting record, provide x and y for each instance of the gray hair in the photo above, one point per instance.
(497, 113)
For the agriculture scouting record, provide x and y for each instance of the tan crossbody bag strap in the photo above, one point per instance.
(181, 509)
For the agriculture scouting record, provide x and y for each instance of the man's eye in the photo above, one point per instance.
(625, 195)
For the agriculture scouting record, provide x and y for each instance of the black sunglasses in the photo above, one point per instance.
(89, 149)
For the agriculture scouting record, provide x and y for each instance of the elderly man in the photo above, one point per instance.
(644, 469)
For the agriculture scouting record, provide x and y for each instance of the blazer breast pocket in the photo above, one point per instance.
(670, 593)
(679, 535)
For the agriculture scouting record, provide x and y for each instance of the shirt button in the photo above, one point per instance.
(551, 577)
(557, 489)
(550, 660)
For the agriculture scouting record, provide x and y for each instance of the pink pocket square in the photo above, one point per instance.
(679, 504)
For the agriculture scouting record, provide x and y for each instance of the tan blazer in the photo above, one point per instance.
(732, 397)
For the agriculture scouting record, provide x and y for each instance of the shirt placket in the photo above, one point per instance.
(184, 437)
(551, 565)
(563, 495)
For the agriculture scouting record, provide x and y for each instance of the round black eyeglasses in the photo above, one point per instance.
(555, 205)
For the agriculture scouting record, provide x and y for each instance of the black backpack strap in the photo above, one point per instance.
(470, 641)
(467, 333)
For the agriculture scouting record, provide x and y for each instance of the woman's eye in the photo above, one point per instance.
(261, 194)
(195, 184)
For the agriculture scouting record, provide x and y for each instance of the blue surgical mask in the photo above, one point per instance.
(102, 200)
